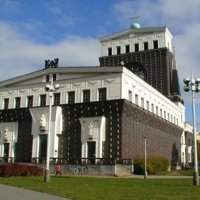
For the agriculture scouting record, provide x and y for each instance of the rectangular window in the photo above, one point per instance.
(71, 97)
(156, 110)
(110, 51)
(57, 99)
(6, 103)
(118, 50)
(148, 105)
(136, 47)
(43, 100)
(165, 114)
(142, 102)
(54, 77)
(30, 101)
(47, 78)
(17, 102)
(127, 48)
(152, 108)
(130, 95)
(102, 94)
(136, 99)
(161, 112)
(146, 47)
(86, 95)
(155, 44)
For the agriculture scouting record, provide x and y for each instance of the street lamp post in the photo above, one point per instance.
(193, 85)
(145, 158)
(50, 88)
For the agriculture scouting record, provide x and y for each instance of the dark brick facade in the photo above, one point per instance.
(158, 64)
(23, 147)
(126, 127)
(70, 141)
(163, 138)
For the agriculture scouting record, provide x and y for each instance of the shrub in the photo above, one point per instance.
(20, 169)
(155, 164)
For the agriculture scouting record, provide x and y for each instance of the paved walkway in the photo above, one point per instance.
(9, 192)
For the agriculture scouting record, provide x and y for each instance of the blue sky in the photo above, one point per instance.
(32, 31)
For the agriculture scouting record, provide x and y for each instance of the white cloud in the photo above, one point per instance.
(20, 55)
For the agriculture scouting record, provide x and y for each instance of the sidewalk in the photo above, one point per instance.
(9, 192)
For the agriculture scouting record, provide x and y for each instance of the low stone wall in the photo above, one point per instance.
(95, 170)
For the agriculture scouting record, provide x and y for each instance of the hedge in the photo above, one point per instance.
(155, 164)
(20, 169)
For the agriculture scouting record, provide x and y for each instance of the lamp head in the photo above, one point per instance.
(186, 88)
(47, 87)
(186, 81)
(197, 82)
(57, 86)
(187, 84)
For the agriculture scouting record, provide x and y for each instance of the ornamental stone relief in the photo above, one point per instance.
(43, 123)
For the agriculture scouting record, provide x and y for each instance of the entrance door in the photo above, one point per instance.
(43, 148)
(91, 152)
(6, 152)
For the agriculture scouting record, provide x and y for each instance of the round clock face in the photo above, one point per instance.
(137, 68)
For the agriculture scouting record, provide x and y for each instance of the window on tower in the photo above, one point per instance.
(110, 51)
(30, 101)
(152, 108)
(54, 77)
(118, 50)
(127, 48)
(47, 78)
(136, 99)
(86, 95)
(155, 44)
(142, 102)
(6, 103)
(43, 100)
(130, 95)
(146, 47)
(71, 97)
(147, 105)
(102, 94)
(136, 47)
(57, 99)
(17, 102)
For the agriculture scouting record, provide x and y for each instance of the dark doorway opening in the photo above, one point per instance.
(6, 152)
(91, 152)
(43, 148)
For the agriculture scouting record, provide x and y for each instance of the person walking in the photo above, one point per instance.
(58, 170)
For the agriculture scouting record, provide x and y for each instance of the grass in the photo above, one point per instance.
(87, 188)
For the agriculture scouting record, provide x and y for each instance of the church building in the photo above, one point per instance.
(99, 112)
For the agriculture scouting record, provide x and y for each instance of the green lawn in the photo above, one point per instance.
(85, 188)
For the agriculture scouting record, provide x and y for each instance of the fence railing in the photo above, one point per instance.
(83, 161)
(74, 161)
(7, 159)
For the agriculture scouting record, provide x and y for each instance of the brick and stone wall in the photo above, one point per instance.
(157, 63)
(126, 127)
(163, 138)
(23, 147)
